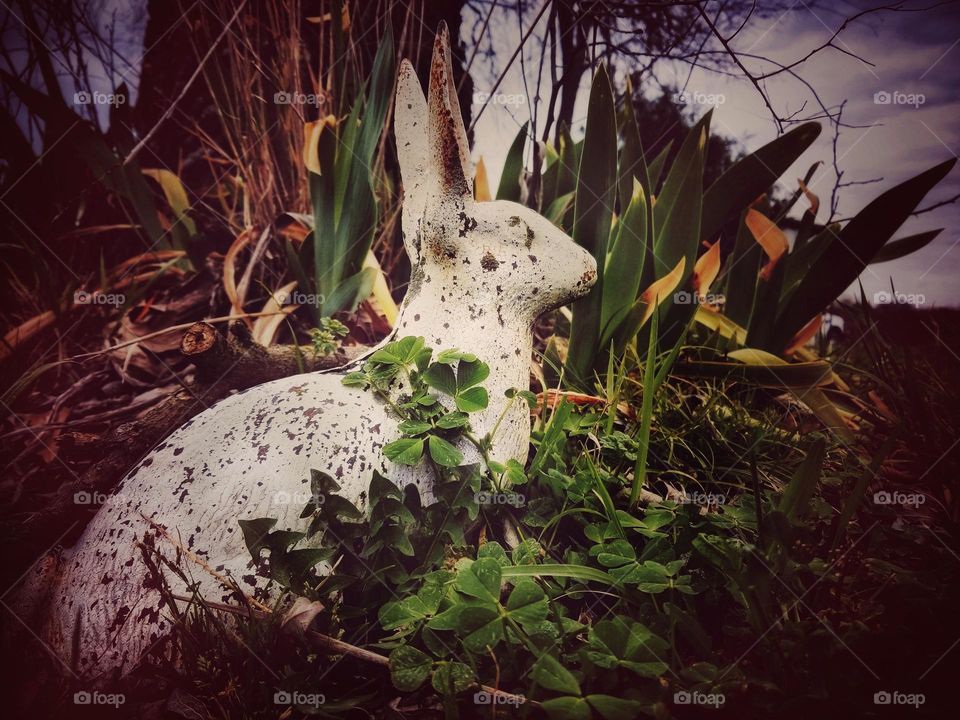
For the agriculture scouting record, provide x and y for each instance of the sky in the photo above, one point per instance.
(913, 54)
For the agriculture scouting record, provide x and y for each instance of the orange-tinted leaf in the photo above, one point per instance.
(311, 140)
(706, 269)
(481, 184)
(660, 289)
(801, 338)
(229, 272)
(765, 232)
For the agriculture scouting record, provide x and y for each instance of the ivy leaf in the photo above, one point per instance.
(530, 397)
(409, 667)
(514, 473)
(405, 451)
(527, 603)
(255, 533)
(471, 373)
(449, 619)
(472, 400)
(399, 352)
(480, 579)
(381, 487)
(480, 627)
(389, 510)
(356, 379)
(451, 678)
(298, 562)
(414, 427)
(453, 420)
(527, 552)
(549, 673)
(614, 708)
(617, 553)
(622, 642)
(449, 357)
(442, 452)
(440, 377)
(567, 708)
(493, 549)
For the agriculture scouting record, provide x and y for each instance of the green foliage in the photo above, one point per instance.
(844, 255)
(105, 158)
(600, 606)
(345, 210)
(326, 339)
(635, 240)
(425, 422)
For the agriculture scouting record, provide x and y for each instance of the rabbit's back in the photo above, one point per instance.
(249, 456)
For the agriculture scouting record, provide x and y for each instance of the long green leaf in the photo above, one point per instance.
(632, 164)
(646, 413)
(741, 278)
(577, 572)
(512, 176)
(655, 166)
(624, 267)
(861, 239)
(593, 214)
(750, 177)
(896, 249)
(689, 160)
(796, 497)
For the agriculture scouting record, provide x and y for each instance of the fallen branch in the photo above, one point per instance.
(225, 363)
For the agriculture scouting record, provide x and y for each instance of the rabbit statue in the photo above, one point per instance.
(482, 273)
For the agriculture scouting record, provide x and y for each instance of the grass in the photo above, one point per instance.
(680, 537)
(753, 579)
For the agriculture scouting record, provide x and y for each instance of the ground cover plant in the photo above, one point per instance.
(728, 509)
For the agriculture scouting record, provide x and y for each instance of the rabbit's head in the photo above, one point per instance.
(483, 247)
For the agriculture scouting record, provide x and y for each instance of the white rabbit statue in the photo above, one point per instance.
(482, 273)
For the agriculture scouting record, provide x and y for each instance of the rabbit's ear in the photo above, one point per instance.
(447, 135)
(410, 129)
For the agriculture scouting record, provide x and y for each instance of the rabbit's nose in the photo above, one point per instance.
(589, 276)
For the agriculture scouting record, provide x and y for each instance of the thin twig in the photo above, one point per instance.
(196, 73)
(333, 644)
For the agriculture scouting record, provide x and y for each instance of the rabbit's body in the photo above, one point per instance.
(482, 273)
